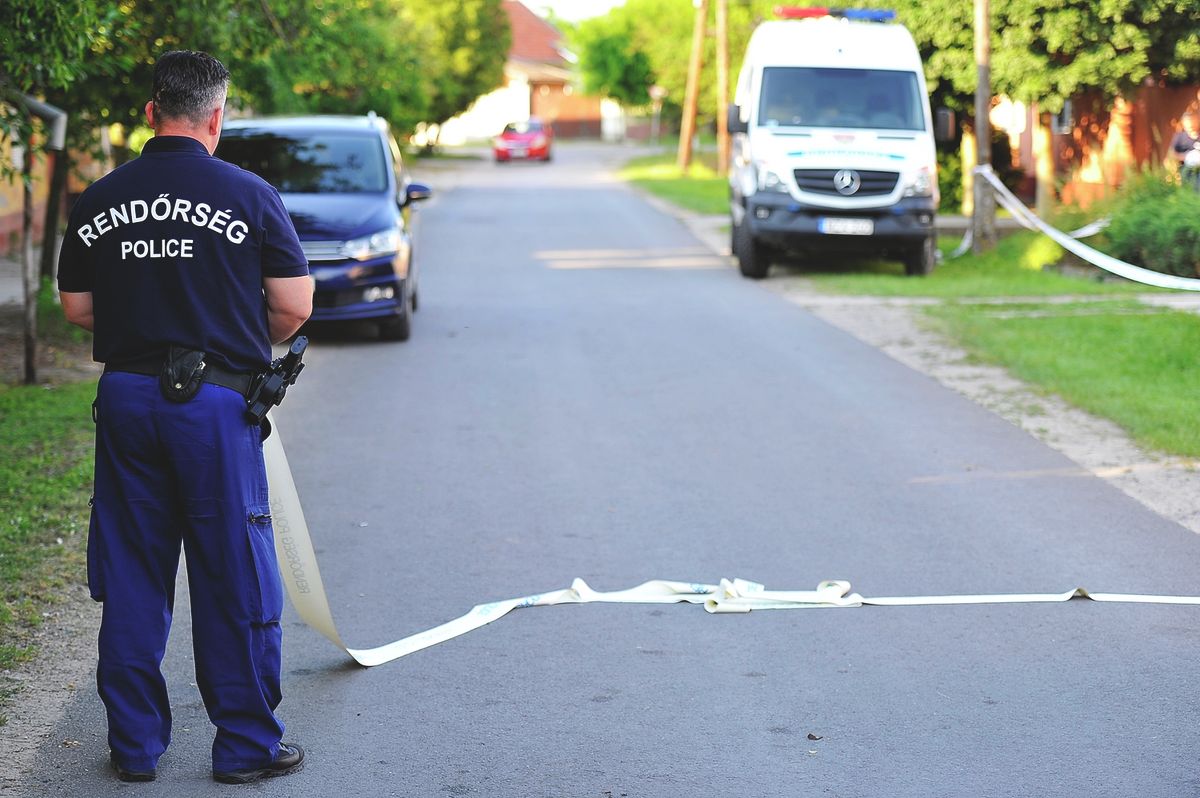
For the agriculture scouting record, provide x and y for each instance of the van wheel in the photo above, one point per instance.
(921, 260)
(753, 257)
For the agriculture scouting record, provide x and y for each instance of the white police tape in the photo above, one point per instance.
(302, 579)
(1087, 231)
(1009, 202)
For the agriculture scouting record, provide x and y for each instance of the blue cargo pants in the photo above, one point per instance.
(169, 474)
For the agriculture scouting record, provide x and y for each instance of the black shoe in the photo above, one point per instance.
(125, 774)
(289, 759)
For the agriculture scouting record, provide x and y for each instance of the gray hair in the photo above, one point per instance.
(188, 86)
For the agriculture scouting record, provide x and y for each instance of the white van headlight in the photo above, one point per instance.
(770, 181)
(922, 183)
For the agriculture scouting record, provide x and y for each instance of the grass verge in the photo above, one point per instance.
(46, 436)
(45, 481)
(1117, 359)
(701, 190)
(1022, 264)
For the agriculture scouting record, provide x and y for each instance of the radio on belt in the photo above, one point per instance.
(268, 388)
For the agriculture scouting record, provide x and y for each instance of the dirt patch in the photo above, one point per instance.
(40, 690)
(1167, 485)
(59, 360)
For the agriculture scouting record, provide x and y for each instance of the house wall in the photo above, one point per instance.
(1111, 141)
(572, 114)
(12, 201)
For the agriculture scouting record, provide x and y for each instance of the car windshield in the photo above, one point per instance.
(858, 98)
(317, 163)
(521, 128)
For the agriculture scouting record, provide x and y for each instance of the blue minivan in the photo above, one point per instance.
(343, 181)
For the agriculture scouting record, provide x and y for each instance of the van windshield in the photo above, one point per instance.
(317, 163)
(878, 99)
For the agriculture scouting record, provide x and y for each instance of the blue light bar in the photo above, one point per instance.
(809, 12)
(869, 14)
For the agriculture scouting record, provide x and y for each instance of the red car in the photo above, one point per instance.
(530, 139)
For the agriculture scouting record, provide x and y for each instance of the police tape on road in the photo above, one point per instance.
(302, 579)
(1067, 241)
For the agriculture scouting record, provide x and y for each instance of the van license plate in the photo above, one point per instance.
(846, 227)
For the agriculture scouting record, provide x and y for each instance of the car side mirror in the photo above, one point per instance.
(944, 125)
(735, 123)
(415, 192)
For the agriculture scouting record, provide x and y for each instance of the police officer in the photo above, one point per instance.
(186, 268)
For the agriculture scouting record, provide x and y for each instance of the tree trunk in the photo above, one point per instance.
(983, 220)
(1043, 159)
(966, 156)
(29, 275)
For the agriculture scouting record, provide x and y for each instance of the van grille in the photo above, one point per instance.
(821, 181)
(318, 251)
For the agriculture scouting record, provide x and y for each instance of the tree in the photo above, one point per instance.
(1048, 53)
(44, 47)
(661, 31)
(464, 46)
(610, 63)
(347, 58)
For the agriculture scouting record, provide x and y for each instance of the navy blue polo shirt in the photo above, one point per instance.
(173, 247)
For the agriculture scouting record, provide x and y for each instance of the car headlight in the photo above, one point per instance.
(385, 242)
(539, 141)
(922, 184)
(769, 181)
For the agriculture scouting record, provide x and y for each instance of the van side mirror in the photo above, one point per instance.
(415, 192)
(735, 123)
(944, 125)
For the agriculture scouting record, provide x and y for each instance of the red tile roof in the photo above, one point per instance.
(533, 38)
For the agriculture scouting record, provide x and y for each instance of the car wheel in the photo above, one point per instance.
(752, 255)
(921, 260)
(398, 327)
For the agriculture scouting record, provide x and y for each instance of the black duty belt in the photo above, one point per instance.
(151, 366)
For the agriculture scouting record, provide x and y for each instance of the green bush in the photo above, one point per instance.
(950, 182)
(1156, 225)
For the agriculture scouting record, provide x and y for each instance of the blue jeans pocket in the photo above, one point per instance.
(267, 585)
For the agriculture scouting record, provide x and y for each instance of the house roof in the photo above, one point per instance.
(533, 38)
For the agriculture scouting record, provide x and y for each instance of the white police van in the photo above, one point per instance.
(833, 147)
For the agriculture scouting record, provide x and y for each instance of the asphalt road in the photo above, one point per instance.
(588, 392)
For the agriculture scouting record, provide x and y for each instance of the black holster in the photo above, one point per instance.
(182, 374)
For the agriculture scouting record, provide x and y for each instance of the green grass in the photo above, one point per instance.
(701, 190)
(45, 481)
(1016, 267)
(46, 440)
(1115, 359)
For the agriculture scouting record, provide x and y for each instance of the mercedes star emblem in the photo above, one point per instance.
(846, 181)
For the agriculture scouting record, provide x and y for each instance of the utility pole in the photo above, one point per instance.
(687, 128)
(722, 87)
(983, 219)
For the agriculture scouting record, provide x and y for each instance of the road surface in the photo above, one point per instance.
(590, 392)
